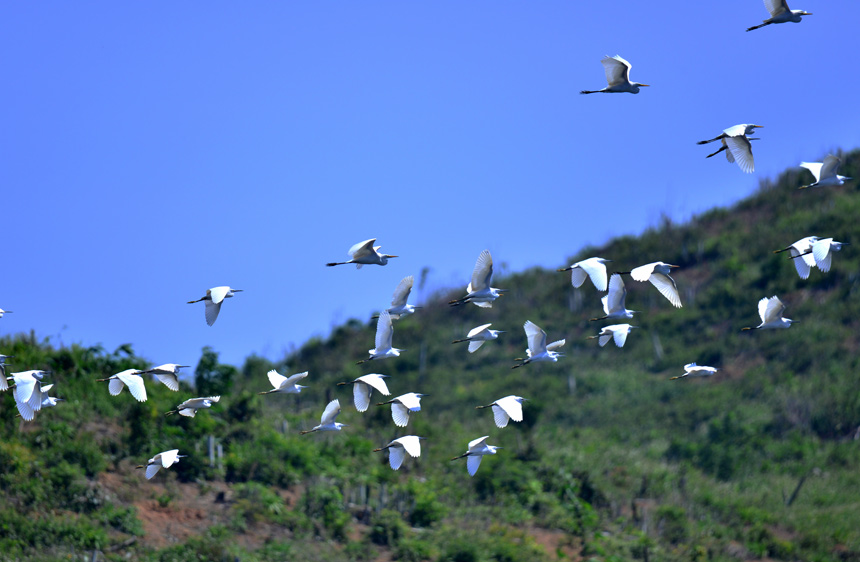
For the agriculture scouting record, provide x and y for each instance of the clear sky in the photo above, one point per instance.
(151, 150)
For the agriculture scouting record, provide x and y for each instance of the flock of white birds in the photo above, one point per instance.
(31, 395)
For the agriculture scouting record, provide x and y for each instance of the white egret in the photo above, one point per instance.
(384, 334)
(130, 378)
(693, 370)
(189, 407)
(613, 302)
(2, 312)
(479, 291)
(592, 268)
(168, 374)
(780, 13)
(618, 76)
(25, 382)
(477, 449)
(538, 349)
(327, 422)
(164, 459)
(658, 274)
(214, 299)
(39, 398)
(824, 172)
(399, 308)
(737, 145)
(398, 448)
(477, 336)
(365, 253)
(616, 332)
(822, 251)
(801, 249)
(771, 311)
(363, 387)
(402, 406)
(505, 409)
(285, 385)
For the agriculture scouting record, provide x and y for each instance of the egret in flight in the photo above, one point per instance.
(29, 398)
(613, 302)
(384, 334)
(25, 409)
(214, 299)
(363, 387)
(658, 274)
(693, 370)
(592, 268)
(538, 349)
(164, 459)
(24, 381)
(327, 422)
(189, 407)
(479, 290)
(737, 145)
(506, 409)
(801, 249)
(477, 449)
(364, 253)
(398, 448)
(130, 378)
(402, 406)
(167, 374)
(285, 385)
(824, 172)
(822, 251)
(618, 76)
(616, 332)
(779, 13)
(399, 308)
(477, 336)
(771, 311)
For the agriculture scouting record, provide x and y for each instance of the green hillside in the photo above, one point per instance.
(613, 461)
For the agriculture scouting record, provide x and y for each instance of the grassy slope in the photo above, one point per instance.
(613, 460)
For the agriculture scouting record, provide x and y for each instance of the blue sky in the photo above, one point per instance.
(154, 150)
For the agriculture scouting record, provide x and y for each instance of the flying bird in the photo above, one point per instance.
(591, 268)
(822, 251)
(779, 13)
(506, 409)
(189, 407)
(613, 301)
(327, 422)
(658, 274)
(801, 249)
(27, 407)
(130, 378)
(365, 253)
(477, 336)
(164, 459)
(363, 387)
(214, 299)
(616, 332)
(285, 385)
(398, 448)
(825, 172)
(479, 290)
(25, 383)
(538, 349)
(618, 76)
(693, 370)
(402, 406)
(167, 374)
(384, 334)
(477, 449)
(771, 311)
(736, 142)
(399, 308)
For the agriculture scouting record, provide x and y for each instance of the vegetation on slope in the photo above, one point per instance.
(612, 462)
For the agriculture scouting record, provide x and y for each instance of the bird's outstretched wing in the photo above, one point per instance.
(400, 414)
(396, 454)
(643, 272)
(294, 379)
(776, 7)
(475, 331)
(412, 445)
(362, 249)
(275, 378)
(384, 330)
(616, 296)
(617, 70)
(169, 457)
(814, 167)
(772, 309)
(401, 293)
(482, 275)
(667, 287)
(212, 310)
(741, 149)
(822, 254)
(218, 294)
(596, 272)
(620, 337)
(829, 166)
(536, 337)
(473, 462)
(331, 412)
(376, 381)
